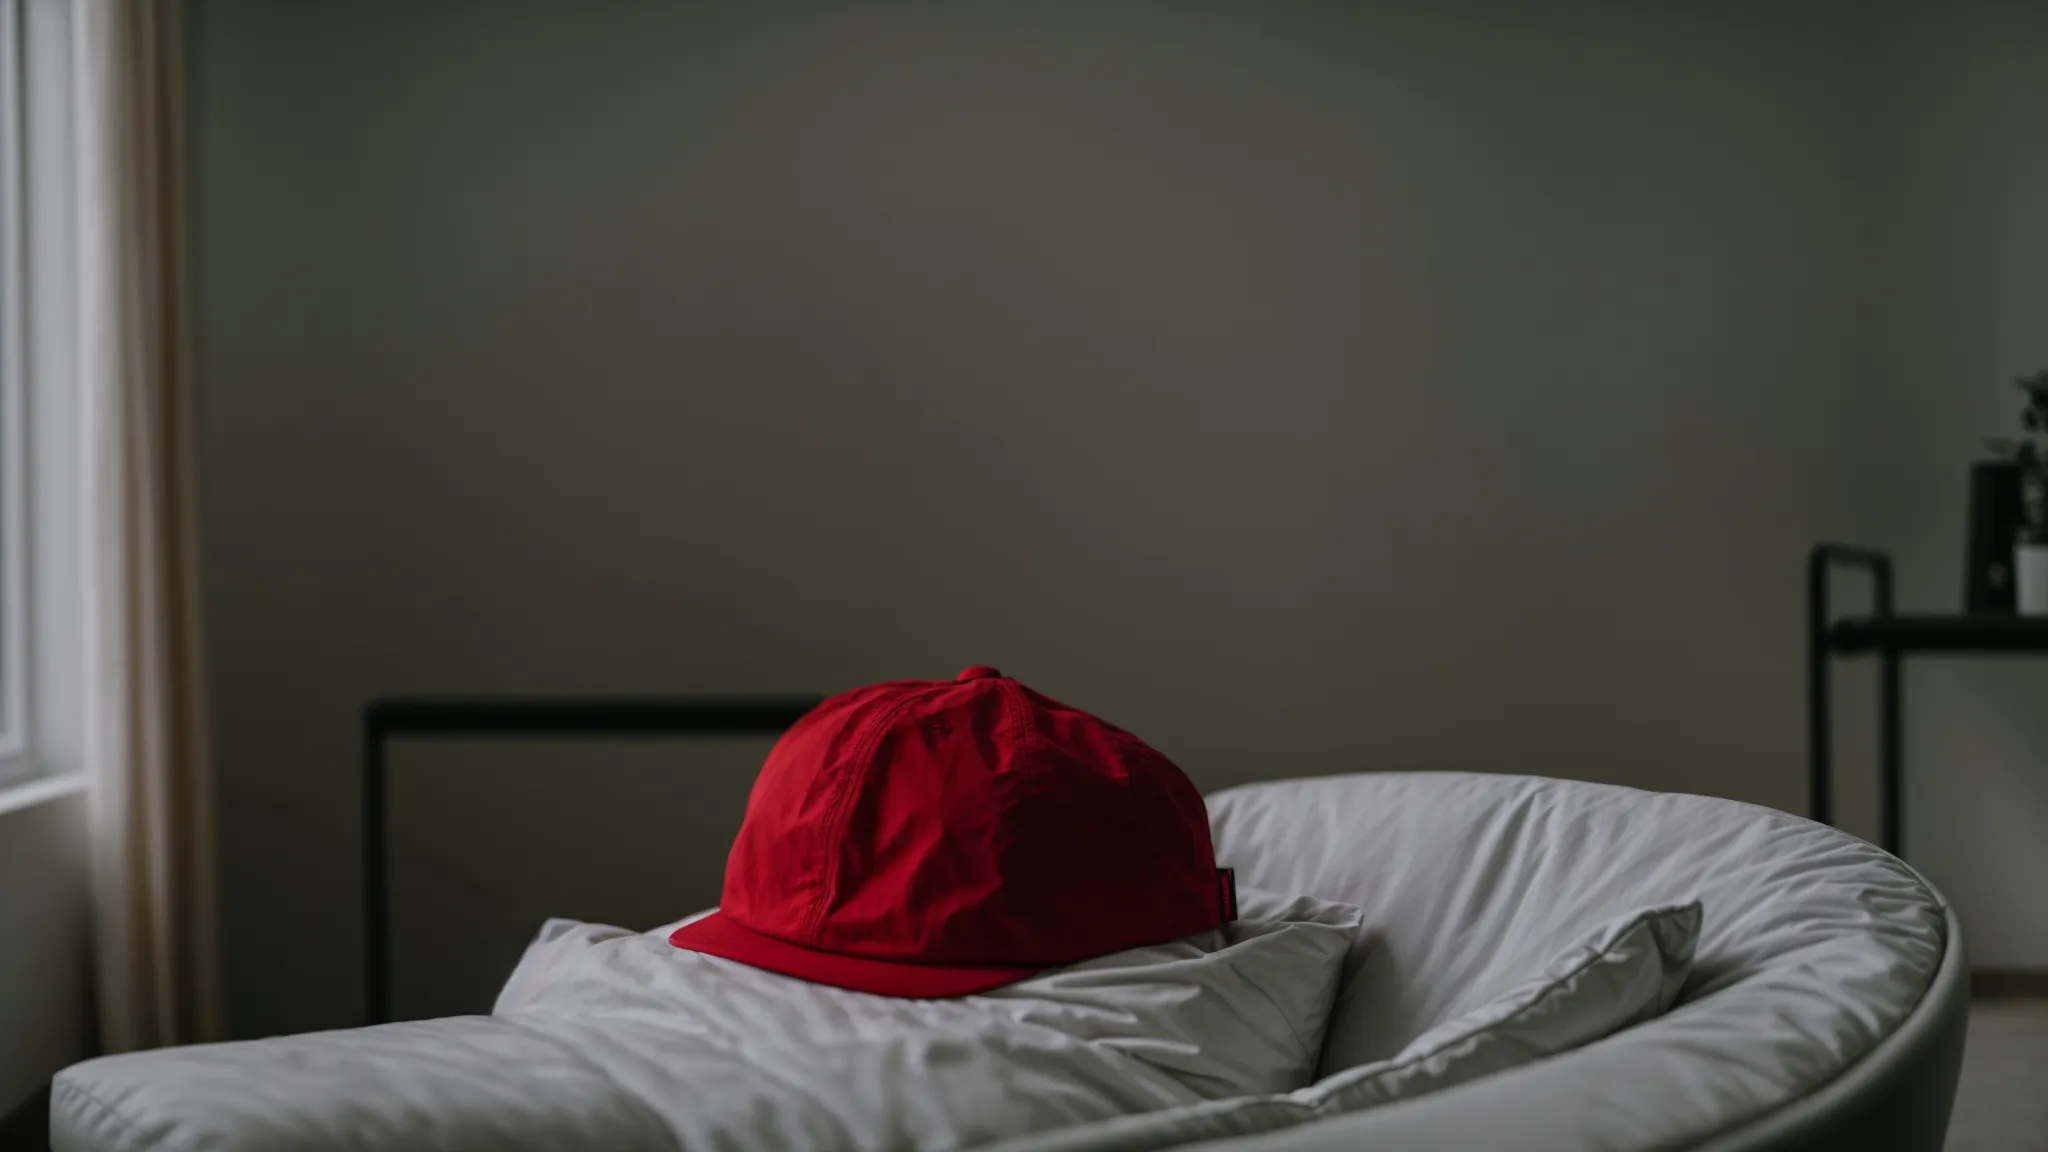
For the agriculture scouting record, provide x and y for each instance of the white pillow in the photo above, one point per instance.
(1627, 971)
(733, 1056)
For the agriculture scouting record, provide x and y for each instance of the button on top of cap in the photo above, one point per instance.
(978, 672)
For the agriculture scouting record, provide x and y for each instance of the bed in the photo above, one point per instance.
(1822, 1005)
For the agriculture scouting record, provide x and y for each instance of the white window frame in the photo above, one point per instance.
(16, 722)
(41, 440)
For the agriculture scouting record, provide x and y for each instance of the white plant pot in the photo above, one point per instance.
(2030, 578)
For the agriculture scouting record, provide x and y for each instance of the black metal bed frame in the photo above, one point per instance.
(597, 716)
(1882, 631)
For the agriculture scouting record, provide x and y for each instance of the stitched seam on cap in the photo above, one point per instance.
(1018, 707)
(833, 828)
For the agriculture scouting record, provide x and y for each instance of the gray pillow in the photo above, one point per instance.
(1626, 971)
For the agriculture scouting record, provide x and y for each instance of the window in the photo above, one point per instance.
(13, 406)
(41, 625)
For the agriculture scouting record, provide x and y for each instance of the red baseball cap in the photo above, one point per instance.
(935, 838)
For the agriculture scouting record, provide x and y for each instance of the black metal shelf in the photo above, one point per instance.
(1933, 632)
(1890, 636)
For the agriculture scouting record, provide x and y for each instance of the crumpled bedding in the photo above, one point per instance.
(1815, 947)
(610, 1040)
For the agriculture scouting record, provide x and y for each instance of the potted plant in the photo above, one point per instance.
(2030, 454)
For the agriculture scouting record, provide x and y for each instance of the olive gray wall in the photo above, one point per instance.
(1306, 387)
(44, 990)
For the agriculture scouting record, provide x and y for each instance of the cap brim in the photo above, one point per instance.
(719, 935)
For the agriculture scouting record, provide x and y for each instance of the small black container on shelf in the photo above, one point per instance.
(1994, 524)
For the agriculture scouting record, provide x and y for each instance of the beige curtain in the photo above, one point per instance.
(145, 746)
